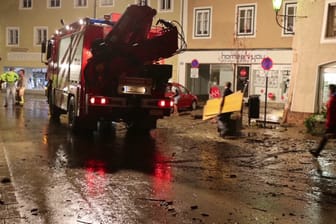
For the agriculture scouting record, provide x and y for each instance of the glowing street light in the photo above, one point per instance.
(277, 5)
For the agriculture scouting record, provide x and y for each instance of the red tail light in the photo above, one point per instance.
(165, 103)
(98, 100)
(92, 100)
(162, 103)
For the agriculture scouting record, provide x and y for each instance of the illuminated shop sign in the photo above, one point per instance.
(240, 57)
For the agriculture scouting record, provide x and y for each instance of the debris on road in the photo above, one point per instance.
(5, 180)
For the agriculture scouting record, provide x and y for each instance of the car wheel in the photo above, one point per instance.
(193, 105)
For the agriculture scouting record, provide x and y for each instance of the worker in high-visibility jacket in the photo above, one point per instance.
(10, 79)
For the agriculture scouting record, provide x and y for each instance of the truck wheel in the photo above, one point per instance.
(142, 126)
(53, 110)
(105, 128)
(72, 118)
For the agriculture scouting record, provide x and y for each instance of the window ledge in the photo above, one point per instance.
(328, 41)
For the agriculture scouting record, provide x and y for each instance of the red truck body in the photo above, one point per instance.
(107, 70)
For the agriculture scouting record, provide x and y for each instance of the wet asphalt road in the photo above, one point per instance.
(181, 173)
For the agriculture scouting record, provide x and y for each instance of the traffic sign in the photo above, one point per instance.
(267, 63)
(243, 72)
(194, 73)
(194, 63)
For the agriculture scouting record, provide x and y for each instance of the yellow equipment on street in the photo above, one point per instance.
(232, 103)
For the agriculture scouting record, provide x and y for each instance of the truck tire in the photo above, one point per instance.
(53, 110)
(105, 128)
(142, 126)
(72, 118)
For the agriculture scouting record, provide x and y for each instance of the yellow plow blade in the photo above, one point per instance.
(232, 103)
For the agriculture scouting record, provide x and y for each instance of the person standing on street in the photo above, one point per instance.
(223, 118)
(330, 121)
(21, 86)
(176, 98)
(214, 91)
(9, 78)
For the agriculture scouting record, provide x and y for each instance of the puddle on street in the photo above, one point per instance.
(262, 177)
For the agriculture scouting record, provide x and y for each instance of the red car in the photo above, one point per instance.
(187, 99)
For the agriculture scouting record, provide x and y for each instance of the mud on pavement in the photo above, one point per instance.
(267, 171)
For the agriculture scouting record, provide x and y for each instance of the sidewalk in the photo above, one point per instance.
(8, 204)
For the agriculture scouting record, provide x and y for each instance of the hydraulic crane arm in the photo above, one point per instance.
(133, 26)
(132, 36)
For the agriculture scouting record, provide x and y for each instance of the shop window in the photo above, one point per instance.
(54, 3)
(277, 83)
(289, 19)
(202, 22)
(199, 86)
(37, 78)
(327, 77)
(12, 36)
(220, 74)
(329, 22)
(246, 20)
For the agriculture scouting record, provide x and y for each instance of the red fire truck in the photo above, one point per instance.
(103, 71)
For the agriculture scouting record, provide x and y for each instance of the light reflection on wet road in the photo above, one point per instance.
(61, 178)
(174, 175)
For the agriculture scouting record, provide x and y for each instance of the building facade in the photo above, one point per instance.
(228, 40)
(24, 24)
(314, 58)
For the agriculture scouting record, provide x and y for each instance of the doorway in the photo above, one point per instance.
(327, 77)
(242, 77)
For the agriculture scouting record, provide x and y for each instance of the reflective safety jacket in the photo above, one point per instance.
(9, 77)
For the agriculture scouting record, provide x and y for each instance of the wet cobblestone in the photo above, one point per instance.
(266, 175)
(8, 204)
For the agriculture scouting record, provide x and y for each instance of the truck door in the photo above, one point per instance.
(69, 64)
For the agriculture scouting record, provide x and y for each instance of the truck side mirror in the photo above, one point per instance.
(43, 51)
(46, 47)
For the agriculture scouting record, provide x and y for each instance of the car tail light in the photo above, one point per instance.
(165, 103)
(162, 103)
(92, 100)
(98, 100)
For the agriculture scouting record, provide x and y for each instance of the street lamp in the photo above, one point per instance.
(277, 6)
